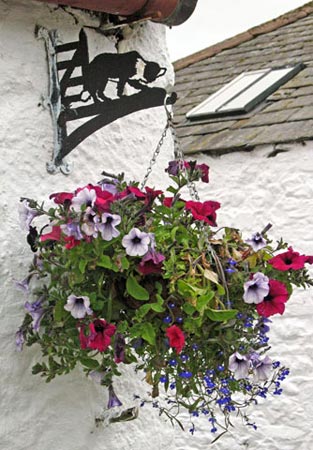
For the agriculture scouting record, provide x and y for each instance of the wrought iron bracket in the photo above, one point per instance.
(102, 110)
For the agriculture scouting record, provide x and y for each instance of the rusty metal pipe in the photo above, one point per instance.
(170, 12)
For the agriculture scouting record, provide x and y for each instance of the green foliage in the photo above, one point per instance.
(184, 278)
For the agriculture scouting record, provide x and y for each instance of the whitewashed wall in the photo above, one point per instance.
(252, 188)
(253, 191)
(60, 415)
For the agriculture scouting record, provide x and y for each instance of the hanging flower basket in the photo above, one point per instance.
(128, 275)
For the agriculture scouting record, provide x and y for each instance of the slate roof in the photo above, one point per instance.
(286, 116)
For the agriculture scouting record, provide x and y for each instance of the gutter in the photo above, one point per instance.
(168, 12)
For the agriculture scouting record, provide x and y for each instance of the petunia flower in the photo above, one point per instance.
(176, 338)
(257, 242)
(119, 348)
(36, 311)
(23, 285)
(274, 301)
(26, 214)
(54, 235)
(136, 242)
(205, 212)
(72, 229)
(261, 366)
(71, 242)
(113, 399)
(289, 260)
(174, 167)
(19, 339)
(90, 222)
(240, 365)
(108, 224)
(99, 337)
(256, 289)
(61, 198)
(78, 306)
(152, 262)
(84, 197)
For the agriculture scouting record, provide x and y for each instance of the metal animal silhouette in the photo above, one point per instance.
(121, 68)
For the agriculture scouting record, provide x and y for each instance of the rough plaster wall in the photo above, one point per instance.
(60, 415)
(255, 190)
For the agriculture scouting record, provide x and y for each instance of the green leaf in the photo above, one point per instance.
(124, 263)
(135, 290)
(157, 307)
(105, 262)
(148, 333)
(82, 265)
(221, 315)
(203, 301)
(59, 311)
(89, 363)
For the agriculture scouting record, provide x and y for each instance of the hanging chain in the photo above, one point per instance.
(155, 155)
(191, 187)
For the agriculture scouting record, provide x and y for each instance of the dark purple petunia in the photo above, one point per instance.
(113, 399)
(119, 348)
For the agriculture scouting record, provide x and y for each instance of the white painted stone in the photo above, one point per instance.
(253, 190)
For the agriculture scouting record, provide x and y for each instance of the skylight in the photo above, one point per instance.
(244, 92)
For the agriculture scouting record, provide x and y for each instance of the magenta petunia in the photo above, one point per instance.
(204, 212)
(152, 262)
(289, 260)
(99, 338)
(54, 235)
(176, 338)
(274, 302)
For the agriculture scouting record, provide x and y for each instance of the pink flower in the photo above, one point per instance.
(290, 260)
(274, 302)
(176, 338)
(71, 242)
(203, 211)
(99, 337)
(54, 235)
(61, 197)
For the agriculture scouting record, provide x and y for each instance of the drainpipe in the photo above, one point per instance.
(169, 12)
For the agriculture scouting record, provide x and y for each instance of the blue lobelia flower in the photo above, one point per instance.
(36, 311)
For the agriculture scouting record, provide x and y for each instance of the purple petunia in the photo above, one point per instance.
(78, 306)
(113, 399)
(108, 226)
(91, 221)
(84, 197)
(256, 289)
(19, 339)
(36, 311)
(26, 214)
(72, 229)
(136, 242)
(261, 366)
(240, 365)
(257, 242)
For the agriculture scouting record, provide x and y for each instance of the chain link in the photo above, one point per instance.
(155, 155)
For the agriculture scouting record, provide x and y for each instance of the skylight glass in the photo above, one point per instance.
(244, 92)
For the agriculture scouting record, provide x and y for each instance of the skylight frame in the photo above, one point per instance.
(258, 77)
